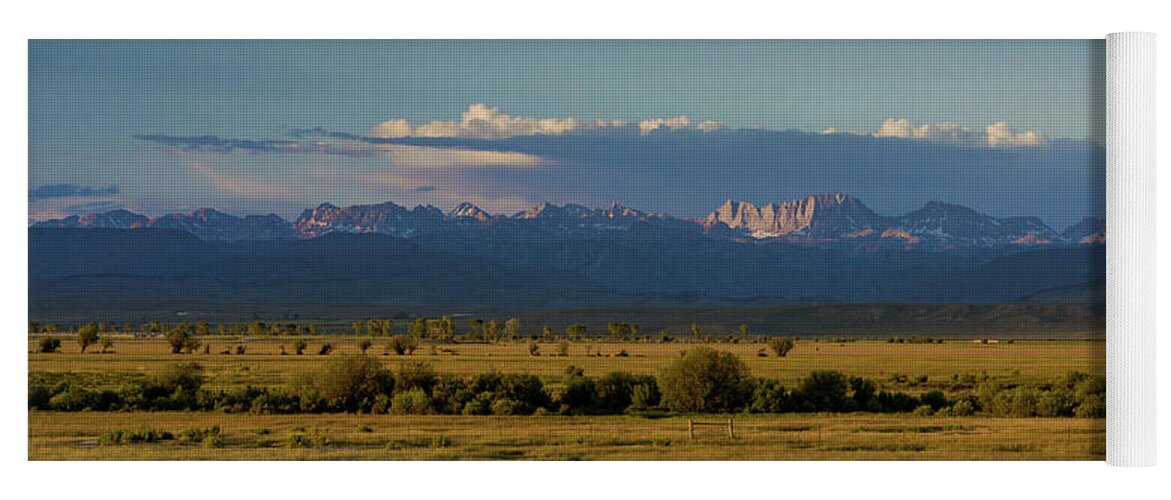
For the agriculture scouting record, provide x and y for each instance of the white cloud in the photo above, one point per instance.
(709, 126)
(481, 121)
(406, 156)
(650, 125)
(996, 135)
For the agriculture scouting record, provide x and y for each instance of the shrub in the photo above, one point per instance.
(174, 379)
(534, 349)
(299, 347)
(181, 340)
(923, 411)
(350, 383)
(934, 399)
(139, 435)
(645, 395)
(326, 348)
(506, 407)
(615, 390)
(411, 402)
(87, 335)
(199, 435)
(417, 375)
(1056, 403)
(71, 399)
(563, 349)
(704, 380)
(824, 390)
(364, 345)
(769, 396)
(107, 345)
(781, 346)
(963, 408)
(49, 345)
(402, 344)
(1091, 407)
(864, 395)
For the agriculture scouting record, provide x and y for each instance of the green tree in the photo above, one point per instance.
(357, 327)
(781, 346)
(704, 380)
(181, 340)
(575, 331)
(695, 331)
(351, 382)
(418, 328)
(402, 344)
(49, 345)
(512, 328)
(87, 335)
(492, 331)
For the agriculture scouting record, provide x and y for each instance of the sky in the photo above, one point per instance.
(251, 127)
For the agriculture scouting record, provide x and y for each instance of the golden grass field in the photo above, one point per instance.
(73, 436)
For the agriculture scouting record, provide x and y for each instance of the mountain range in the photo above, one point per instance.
(818, 219)
(373, 260)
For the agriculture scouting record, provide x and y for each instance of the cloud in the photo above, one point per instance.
(481, 121)
(996, 135)
(50, 191)
(653, 124)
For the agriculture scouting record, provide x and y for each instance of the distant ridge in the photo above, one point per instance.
(832, 218)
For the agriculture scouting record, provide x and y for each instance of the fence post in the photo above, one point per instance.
(731, 429)
(690, 429)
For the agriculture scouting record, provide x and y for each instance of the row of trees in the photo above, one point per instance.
(442, 329)
(703, 380)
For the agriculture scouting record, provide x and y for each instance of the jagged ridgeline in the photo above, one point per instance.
(378, 259)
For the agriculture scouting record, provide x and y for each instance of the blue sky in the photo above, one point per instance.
(89, 100)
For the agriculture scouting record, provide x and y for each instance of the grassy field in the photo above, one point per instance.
(73, 436)
(912, 368)
(1026, 361)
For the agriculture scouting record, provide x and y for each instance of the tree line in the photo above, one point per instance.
(702, 380)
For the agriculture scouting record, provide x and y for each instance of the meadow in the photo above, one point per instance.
(905, 367)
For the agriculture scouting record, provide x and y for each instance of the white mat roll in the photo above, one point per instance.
(1130, 251)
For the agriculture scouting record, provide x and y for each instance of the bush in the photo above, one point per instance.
(402, 344)
(182, 379)
(107, 345)
(139, 435)
(364, 345)
(507, 407)
(350, 383)
(923, 411)
(326, 348)
(1091, 407)
(645, 396)
(1056, 403)
(781, 346)
(49, 345)
(563, 349)
(769, 396)
(181, 340)
(417, 375)
(615, 391)
(299, 347)
(704, 380)
(824, 391)
(934, 399)
(87, 335)
(865, 394)
(411, 402)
